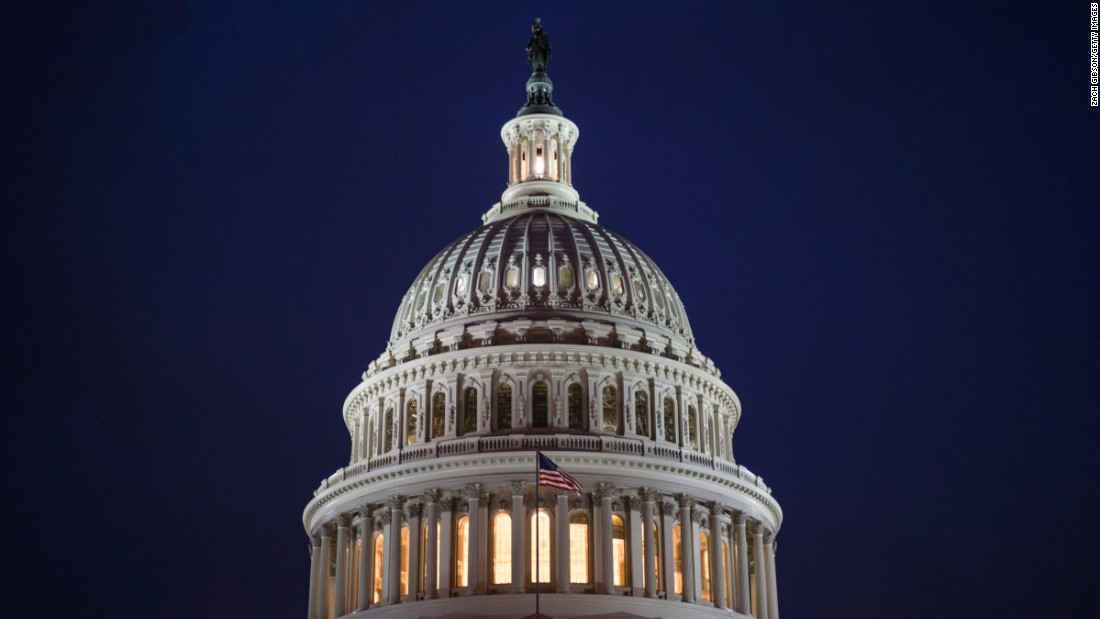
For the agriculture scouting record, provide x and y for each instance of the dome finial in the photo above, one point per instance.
(539, 85)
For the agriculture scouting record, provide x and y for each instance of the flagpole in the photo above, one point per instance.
(538, 537)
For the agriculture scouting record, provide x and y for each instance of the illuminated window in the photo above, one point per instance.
(576, 405)
(692, 438)
(657, 557)
(387, 432)
(565, 277)
(592, 280)
(410, 422)
(460, 285)
(484, 281)
(670, 420)
(578, 548)
(440, 288)
(376, 576)
(538, 276)
(469, 411)
(540, 405)
(404, 560)
(641, 413)
(677, 560)
(511, 277)
(618, 551)
(504, 406)
(704, 564)
(616, 283)
(439, 415)
(540, 539)
(610, 410)
(639, 291)
(502, 548)
(462, 550)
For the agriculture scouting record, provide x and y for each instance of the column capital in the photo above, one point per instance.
(742, 519)
(472, 491)
(769, 537)
(604, 490)
(685, 501)
(633, 503)
(385, 518)
(416, 510)
(648, 494)
(365, 511)
(760, 529)
(328, 529)
(717, 510)
(668, 508)
(433, 495)
(518, 487)
(448, 502)
(395, 502)
(343, 521)
(314, 542)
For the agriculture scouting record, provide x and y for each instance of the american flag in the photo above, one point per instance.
(551, 475)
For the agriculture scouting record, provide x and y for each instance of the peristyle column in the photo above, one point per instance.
(392, 580)
(687, 553)
(431, 583)
(604, 493)
(649, 549)
(314, 570)
(340, 592)
(366, 556)
(518, 521)
(761, 575)
(743, 603)
(769, 564)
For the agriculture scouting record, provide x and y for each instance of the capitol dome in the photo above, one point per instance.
(542, 341)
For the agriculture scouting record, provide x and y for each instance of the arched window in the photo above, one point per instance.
(677, 560)
(576, 406)
(540, 405)
(704, 564)
(610, 410)
(410, 422)
(641, 413)
(540, 539)
(377, 569)
(502, 548)
(504, 406)
(578, 548)
(387, 432)
(439, 415)
(404, 560)
(670, 420)
(693, 439)
(618, 551)
(469, 411)
(462, 551)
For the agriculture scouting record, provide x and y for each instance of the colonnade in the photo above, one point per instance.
(469, 541)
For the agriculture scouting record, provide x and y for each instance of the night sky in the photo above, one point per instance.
(882, 221)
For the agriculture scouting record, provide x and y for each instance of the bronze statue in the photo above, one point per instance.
(538, 48)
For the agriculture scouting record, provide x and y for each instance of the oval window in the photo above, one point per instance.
(511, 277)
(538, 276)
(460, 285)
(440, 288)
(565, 277)
(616, 284)
(592, 279)
(483, 281)
(639, 291)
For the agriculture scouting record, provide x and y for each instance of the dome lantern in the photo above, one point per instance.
(540, 143)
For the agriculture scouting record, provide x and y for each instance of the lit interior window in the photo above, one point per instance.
(502, 549)
(376, 579)
(460, 285)
(578, 548)
(404, 576)
(704, 564)
(618, 551)
(540, 538)
(538, 276)
(511, 277)
(592, 279)
(616, 284)
(565, 277)
(639, 291)
(462, 550)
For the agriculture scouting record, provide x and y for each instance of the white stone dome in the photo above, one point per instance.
(542, 265)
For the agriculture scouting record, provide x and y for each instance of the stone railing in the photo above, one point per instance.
(548, 442)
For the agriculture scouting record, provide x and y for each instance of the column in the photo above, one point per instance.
(314, 571)
(761, 576)
(562, 521)
(473, 497)
(322, 576)
(416, 510)
(366, 556)
(717, 566)
(649, 550)
(769, 565)
(742, 573)
(635, 532)
(446, 547)
(668, 567)
(340, 589)
(687, 553)
(392, 580)
(431, 582)
(605, 574)
(518, 520)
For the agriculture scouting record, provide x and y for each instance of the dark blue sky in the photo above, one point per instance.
(882, 220)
